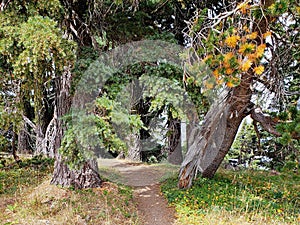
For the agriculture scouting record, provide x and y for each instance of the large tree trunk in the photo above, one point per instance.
(14, 148)
(87, 176)
(174, 141)
(210, 143)
(23, 140)
(134, 147)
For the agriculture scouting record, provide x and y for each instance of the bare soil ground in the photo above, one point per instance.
(152, 206)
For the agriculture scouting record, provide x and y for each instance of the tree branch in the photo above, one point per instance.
(266, 122)
(28, 121)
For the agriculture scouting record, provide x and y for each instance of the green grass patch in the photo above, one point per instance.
(16, 177)
(249, 194)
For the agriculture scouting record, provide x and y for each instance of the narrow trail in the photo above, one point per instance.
(152, 207)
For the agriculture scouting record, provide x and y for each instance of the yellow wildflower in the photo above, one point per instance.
(259, 70)
(231, 41)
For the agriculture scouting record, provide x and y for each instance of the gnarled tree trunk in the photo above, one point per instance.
(210, 143)
(87, 176)
(23, 140)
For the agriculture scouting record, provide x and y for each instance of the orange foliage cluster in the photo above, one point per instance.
(243, 55)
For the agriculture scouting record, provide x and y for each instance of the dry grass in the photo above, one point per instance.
(48, 204)
(26, 197)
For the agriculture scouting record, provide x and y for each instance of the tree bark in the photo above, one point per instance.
(87, 176)
(174, 141)
(210, 143)
(24, 137)
(14, 148)
(23, 140)
(134, 147)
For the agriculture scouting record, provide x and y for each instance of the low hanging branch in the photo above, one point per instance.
(266, 122)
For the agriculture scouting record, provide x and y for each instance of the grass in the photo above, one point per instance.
(169, 170)
(231, 197)
(241, 197)
(14, 178)
(110, 174)
(26, 197)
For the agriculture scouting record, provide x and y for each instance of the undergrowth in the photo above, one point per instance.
(26, 197)
(243, 197)
(14, 177)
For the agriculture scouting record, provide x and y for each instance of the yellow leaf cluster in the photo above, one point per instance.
(259, 70)
(228, 56)
(245, 28)
(232, 82)
(245, 66)
(231, 41)
(267, 34)
(260, 50)
(246, 48)
(229, 71)
(244, 7)
(252, 36)
(216, 73)
(208, 85)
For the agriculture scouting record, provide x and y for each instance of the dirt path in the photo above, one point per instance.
(152, 206)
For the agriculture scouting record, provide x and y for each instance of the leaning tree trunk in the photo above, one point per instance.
(211, 142)
(87, 176)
